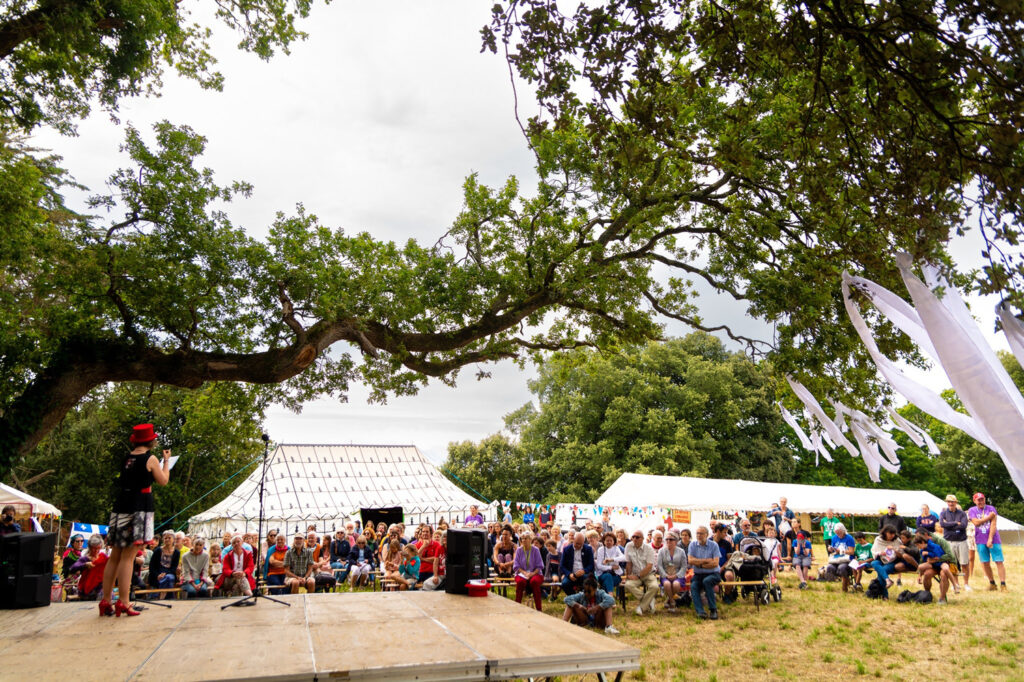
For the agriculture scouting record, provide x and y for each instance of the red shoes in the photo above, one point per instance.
(105, 608)
(120, 607)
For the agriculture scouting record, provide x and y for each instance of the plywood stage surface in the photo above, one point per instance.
(364, 635)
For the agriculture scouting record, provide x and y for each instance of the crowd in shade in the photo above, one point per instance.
(584, 566)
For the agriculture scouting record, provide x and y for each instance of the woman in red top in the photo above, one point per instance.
(131, 522)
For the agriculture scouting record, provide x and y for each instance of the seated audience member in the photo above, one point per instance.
(908, 557)
(950, 558)
(236, 576)
(427, 548)
(927, 520)
(215, 562)
(267, 544)
(884, 550)
(641, 577)
(608, 563)
(373, 540)
(436, 581)
(621, 539)
(195, 573)
(299, 566)
(672, 570)
(7, 523)
(323, 574)
(504, 553)
(657, 540)
(861, 559)
(726, 548)
(163, 565)
(576, 564)
(591, 606)
(744, 532)
(841, 550)
(685, 538)
(703, 555)
(340, 549)
(934, 562)
(90, 566)
(803, 555)
(72, 554)
(225, 543)
(360, 563)
(552, 565)
(593, 539)
(275, 565)
(528, 567)
(408, 568)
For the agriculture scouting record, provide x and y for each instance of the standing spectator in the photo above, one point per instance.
(703, 555)
(953, 521)
(576, 564)
(474, 519)
(891, 518)
(785, 526)
(591, 606)
(672, 570)
(195, 570)
(608, 564)
(927, 519)
(827, 523)
(529, 570)
(803, 556)
(528, 516)
(507, 516)
(7, 524)
(606, 521)
(641, 581)
(237, 572)
(987, 540)
(298, 566)
(545, 517)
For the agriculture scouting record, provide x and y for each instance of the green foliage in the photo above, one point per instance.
(215, 430)
(56, 56)
(683, 407)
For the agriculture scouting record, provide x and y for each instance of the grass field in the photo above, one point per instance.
(822, 633)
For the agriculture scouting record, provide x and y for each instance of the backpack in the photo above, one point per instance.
(877, 590)
(922, 597)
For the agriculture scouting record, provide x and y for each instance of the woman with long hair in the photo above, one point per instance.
(131, 521)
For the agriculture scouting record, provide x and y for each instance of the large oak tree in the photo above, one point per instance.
(761, 148)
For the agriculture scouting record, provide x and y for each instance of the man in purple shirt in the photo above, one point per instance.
(986, 536)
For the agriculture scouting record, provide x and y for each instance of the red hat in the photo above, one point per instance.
(142, 433)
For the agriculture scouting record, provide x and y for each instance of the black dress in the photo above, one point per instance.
(131, 522)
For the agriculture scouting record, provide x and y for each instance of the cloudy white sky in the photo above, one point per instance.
(372, 123)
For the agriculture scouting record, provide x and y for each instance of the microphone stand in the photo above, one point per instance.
(256, 595)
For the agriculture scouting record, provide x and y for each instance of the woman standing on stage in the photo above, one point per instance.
(131, 523)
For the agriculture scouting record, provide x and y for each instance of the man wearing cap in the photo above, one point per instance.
(990, 547)
(953, 521)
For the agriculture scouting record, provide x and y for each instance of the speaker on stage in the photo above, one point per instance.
(26, 569)
(466, 558)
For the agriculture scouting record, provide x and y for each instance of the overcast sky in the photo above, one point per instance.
(372, 123)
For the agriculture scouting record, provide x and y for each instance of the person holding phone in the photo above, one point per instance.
(131, 522)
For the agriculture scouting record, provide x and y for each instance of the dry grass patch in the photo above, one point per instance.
(821, 633)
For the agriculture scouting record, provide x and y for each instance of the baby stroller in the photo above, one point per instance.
(756, 568)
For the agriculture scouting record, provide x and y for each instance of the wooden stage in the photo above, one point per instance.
(371, 636)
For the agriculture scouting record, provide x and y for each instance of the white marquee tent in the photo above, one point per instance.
(706, 494)
(9, 495)
(327, 484)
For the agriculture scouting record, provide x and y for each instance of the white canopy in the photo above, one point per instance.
(326, 484)
(682, 492)
(9, 495)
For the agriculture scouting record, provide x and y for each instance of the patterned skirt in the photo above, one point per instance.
(125, 530)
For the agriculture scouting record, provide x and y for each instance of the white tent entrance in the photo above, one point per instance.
(325, 485)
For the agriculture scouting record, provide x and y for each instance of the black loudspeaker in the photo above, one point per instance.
(26, 569)
(466, 559)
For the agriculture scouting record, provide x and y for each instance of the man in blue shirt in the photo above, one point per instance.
(703, 555)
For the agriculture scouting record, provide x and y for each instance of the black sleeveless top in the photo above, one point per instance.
(133, 479)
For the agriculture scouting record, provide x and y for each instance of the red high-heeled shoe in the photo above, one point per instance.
(120, 607)
(106, 609)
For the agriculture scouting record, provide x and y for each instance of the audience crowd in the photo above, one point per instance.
(584, 566)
